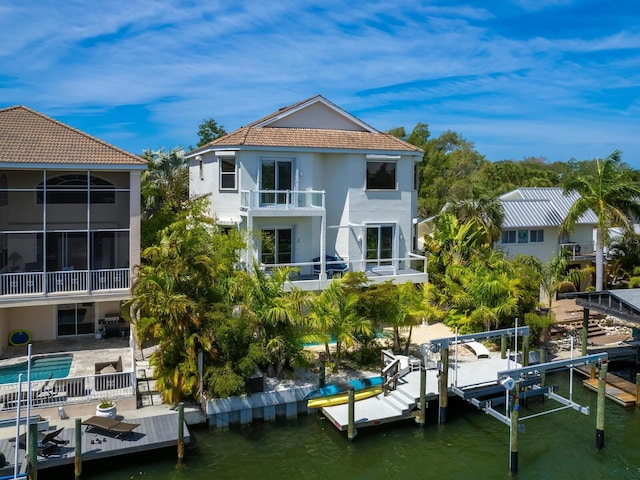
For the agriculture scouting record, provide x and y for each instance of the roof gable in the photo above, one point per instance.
(315, 124)
(315, 112)
(28, 137)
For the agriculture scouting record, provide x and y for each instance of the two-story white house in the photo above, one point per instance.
(532, 221)
(315, 188)
(69, 227)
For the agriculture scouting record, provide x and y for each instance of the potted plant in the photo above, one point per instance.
(106, 408)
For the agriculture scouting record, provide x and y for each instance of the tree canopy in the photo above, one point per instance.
(612, 193)
(209, 130)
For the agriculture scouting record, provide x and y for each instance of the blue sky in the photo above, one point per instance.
(558, 79)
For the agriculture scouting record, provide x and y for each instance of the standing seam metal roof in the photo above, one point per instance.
(541, 207)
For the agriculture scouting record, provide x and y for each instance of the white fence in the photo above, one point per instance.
(67, 391)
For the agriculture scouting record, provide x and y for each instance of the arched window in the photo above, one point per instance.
(72, 188)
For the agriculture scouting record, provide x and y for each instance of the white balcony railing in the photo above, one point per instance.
(34, 283)
(575, 250)
(287, 199)
(376, 270)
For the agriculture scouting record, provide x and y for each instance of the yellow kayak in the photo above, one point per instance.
(342, 397)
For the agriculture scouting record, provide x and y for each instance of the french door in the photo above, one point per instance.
(379, 244)
(277, 246)
(276, 175)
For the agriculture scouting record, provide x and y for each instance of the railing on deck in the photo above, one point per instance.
(288, 199)
(33, 283)
(69, 390)
(574, 249)
(381, 267)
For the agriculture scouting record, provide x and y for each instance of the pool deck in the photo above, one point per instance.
(86, 352)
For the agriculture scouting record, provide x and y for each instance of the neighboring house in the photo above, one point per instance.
(531, 226)
(318, 189)
(69, 227)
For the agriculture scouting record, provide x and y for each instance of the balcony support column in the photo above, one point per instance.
(323, 246)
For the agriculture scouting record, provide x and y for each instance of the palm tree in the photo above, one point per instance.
(277, 313)
(335, 314)
(612, 193)
(165, 191)
(552, 275)
(485, 212)
(180, 282)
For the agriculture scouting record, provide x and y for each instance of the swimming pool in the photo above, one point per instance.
(42, 368)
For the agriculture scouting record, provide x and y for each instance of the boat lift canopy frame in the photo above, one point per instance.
(549, 367)
(471, 337)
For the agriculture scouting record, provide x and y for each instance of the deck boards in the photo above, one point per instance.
(621, 391)
(152, 433)
(612, 392)
(378, 410)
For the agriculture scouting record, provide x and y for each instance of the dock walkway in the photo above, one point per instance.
(401, 403)
(158, 429)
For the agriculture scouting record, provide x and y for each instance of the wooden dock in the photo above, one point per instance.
(401, 403)
(618, 390)
(153, 432)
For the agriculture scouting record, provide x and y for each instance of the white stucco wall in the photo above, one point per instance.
(348, 204)
(546, 250)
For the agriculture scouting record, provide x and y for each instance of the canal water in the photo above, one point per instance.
(470, 445)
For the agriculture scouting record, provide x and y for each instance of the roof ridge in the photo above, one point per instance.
(73, 129)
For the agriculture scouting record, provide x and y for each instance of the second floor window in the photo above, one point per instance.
(381, 175)
(509, 236)
(72, 189)
(228, 173)
(536, 236)
(523, 236)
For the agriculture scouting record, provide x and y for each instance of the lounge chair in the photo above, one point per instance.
(48, 442)
(109, 425)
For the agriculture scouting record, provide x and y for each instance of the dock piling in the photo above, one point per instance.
(515, 405)
(33, 451)
(525, 351)
(423, 397)
(322, 374)
(503, 347)
(543, 359)
(443, 382)
(351, 432)
(180, 432)
(585, 330)
(78, 449)
(602, 386)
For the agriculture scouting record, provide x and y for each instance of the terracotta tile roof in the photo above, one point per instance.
(27, 136)
(314, 138)
(260, 134)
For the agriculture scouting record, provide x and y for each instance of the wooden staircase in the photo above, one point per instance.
(147, 392)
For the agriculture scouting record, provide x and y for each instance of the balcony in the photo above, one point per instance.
(74, 281)
(397, 270)
(578, 251)
(282, 200)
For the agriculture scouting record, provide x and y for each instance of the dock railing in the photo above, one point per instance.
(390, 371)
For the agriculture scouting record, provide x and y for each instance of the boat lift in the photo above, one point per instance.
(509, 385)
(530, 376)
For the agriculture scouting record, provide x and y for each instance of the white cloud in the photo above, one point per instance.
(237, 61)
